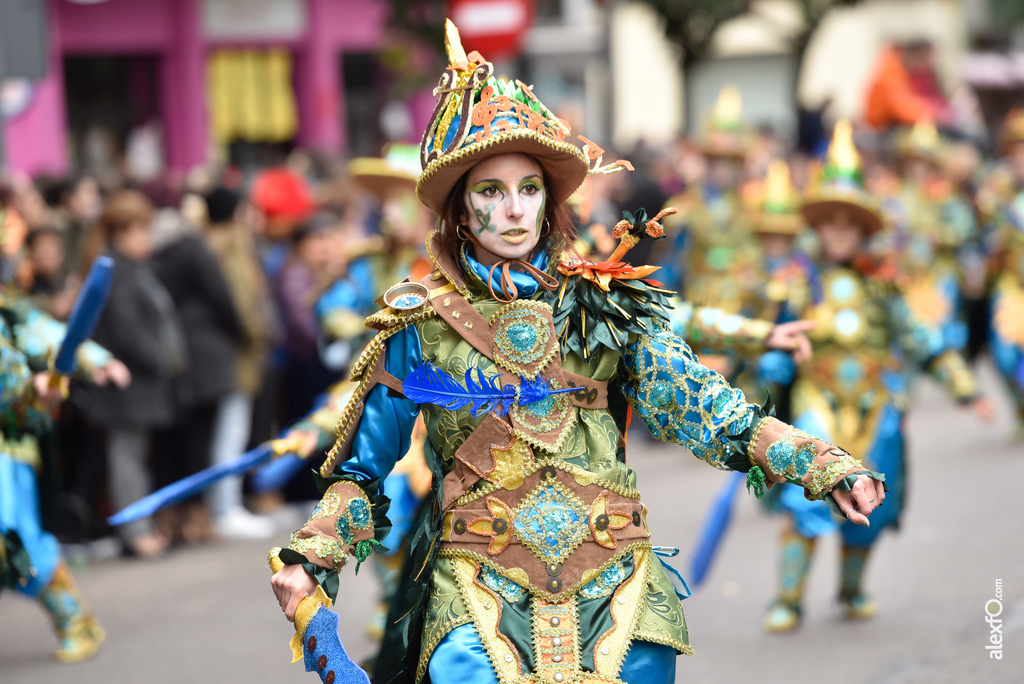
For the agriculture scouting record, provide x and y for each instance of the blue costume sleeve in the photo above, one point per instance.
(351, 516)
(385, 430)
(681, 400)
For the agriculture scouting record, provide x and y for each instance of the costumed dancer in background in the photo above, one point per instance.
(712, 258)
(525, 361)
(1001, 200)
(30, 557)
(404, 224)
(378, 262)
(788, 281)
(852, 388)
(936, 232)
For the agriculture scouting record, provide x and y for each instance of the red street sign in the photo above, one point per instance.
(495, 28)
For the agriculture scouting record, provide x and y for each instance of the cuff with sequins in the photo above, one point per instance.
(341, 524)
(786, 454)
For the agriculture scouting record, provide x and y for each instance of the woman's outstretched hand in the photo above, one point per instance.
(865, 496)
(791, 337)
(291, 585)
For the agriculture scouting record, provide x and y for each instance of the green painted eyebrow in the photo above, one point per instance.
(481, 184)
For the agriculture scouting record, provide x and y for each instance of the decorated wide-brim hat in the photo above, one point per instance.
(1012, 131)
(920, 141)
(724, 134)
(777, 208)
(396, 171)
(479, 115)
(840, 186)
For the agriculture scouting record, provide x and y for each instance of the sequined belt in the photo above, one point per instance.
(552, 533)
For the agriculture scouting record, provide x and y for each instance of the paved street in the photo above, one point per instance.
(207, 615)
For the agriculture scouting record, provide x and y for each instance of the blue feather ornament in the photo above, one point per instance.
(428, 384)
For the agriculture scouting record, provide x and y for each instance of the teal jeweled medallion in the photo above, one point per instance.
(522, 337)
(551, 522)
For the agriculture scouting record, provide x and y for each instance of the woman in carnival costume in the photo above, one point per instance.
(852, 389)
(535, 561)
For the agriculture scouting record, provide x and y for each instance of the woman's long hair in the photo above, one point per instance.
(560, 236)
(124, 208)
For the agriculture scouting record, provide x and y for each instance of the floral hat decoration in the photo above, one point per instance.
(840, 186)
(479, 115)
(777, 210)
(1012, 130)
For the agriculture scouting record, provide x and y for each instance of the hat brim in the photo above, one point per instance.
(815, 210)
(565, 165)
(709, 149)
(778, 224)
(376, 176)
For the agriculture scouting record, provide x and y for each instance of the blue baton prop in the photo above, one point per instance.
(191, 485)
(714, 529)
(86, 313)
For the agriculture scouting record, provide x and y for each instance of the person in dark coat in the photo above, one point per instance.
(213, 333)
(139, 326)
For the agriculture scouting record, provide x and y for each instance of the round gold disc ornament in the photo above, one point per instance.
(406, 296)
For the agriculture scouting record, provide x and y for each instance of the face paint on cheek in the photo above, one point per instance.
(483, 215)
(540, 212)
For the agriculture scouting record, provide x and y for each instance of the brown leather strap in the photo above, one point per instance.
(595, 394)
(390, 381)
(508, 286)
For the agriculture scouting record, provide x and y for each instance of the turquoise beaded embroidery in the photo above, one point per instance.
(509, 590)
(522, 337)
(605, 583)
(551, 521)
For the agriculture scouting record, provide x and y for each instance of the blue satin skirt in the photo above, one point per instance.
(19, 511)
(460, 658)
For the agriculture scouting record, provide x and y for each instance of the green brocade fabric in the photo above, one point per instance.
(594, 443)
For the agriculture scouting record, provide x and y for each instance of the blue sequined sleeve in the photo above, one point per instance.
(681, 400)
(385, 430)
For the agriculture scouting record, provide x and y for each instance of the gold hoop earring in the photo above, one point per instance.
(547, 227)
(459, 234)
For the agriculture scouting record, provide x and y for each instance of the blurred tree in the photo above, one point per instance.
(1006, 15)
(692, 24)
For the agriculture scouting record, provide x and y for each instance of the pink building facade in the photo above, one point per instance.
(178, 34)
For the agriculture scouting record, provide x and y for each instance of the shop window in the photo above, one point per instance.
(111, 101)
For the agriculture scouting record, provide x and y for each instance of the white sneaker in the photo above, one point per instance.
(239, 523)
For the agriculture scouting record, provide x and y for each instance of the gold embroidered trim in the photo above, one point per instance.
(582, 476)
(523, 580)
(359, 372)
(462, 289)
(512, 310)
(685, 649)
(324, 547)
(428, 648)
(485, 607)
(825, 479)
(499, 139)
(543, 635)
(626, 607)
(752, 447)
(559, 443)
